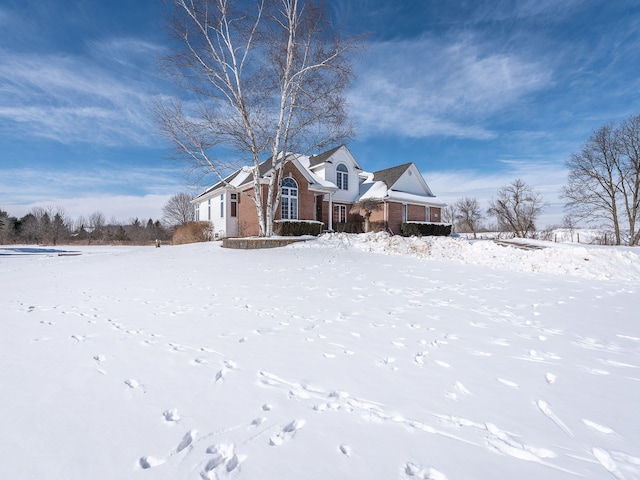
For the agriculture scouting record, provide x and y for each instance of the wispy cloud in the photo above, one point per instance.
(74, 99)
(547, 178)
(27, 187)
(499, 10)
(438, 86)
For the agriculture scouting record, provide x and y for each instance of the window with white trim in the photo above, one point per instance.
(209, 209)
(289, 199)
(339, 213)
(342, 177)
(234, 204)
(222, 205)
(405, 210)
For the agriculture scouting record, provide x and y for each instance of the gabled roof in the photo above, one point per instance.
(400, 183)
(323, 157)
(390, 175)
(227, 181)
(315, 182)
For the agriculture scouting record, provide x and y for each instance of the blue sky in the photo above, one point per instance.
(476, 93)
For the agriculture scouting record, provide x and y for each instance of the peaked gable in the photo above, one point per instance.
(330, 156)
(315, 160)
(390, 175)
(404, 178)
(231, 181)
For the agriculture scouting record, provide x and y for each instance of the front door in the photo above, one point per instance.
(318, 208)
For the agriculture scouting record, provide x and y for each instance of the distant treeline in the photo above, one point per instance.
(48, 226)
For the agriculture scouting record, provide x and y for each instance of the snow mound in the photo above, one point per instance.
(592, 262)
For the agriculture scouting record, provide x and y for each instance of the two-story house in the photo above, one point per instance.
(321, 188)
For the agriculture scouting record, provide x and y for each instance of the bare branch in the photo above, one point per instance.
(268, 77)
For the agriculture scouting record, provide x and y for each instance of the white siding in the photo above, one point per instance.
(350, 195)
(217, 210)
(409, 183)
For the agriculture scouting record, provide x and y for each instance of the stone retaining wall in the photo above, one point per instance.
(253, 243)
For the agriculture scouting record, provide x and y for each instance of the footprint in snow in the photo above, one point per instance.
(133, 383)
(604, 458)
(504, 443)
(598, 427)
(411, 470)
(345, 450)
(258, 421)
(220, 375)
(508, 383)
(149, 462)
(287, 432)
(461, 388)
(224, 459)
(230, 364)
(186, 440)
(546, 410)
(419, 357)
(171, 415)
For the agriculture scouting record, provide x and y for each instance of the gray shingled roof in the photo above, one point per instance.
(265, 167)
(390, 175)
(322, 157)
(220, 183)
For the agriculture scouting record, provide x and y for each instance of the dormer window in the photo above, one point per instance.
(342, 177)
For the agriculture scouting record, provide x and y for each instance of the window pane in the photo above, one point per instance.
(289, 200)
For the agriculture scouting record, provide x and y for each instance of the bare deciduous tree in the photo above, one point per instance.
(449, 214)
(629, 141)
(96, 225)
(368, 206)
(469, 214)
(593, 189)
(43, 225)
(269, 76)
(178, 210)
(516, 208)
(604, 179)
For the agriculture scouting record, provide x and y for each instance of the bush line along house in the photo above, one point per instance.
(321, 188)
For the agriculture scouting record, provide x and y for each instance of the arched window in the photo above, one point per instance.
(289, 200)
(342, 177)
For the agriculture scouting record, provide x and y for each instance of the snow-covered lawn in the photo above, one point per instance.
(347, 357)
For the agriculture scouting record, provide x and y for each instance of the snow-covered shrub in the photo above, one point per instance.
(410, 229)
(293, 228)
